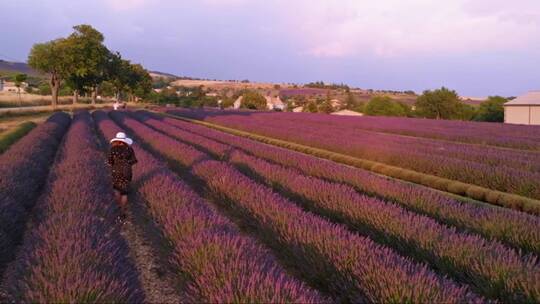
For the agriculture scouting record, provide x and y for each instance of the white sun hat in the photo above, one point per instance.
(121, 136)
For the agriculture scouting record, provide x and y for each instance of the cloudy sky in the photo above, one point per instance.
(478, 47)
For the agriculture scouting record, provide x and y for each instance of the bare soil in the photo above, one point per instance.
(150, 252)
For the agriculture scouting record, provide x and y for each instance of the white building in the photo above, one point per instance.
(8, 86)
(275, 103)
(347, 113)
(238, 102)
(524, 110)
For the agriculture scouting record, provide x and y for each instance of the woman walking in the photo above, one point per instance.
(121, 158)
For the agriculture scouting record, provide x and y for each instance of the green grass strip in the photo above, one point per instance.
(13, 135)
(475, 192)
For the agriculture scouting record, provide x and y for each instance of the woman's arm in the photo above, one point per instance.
(110, 159)
(132, 158)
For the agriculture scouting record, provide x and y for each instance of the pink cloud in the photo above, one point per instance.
(396, 27)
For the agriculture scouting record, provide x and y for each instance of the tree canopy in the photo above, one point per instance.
(325, 107)
(384, 106)
(440, 104)
(253, 100)
(51, 57)
(19, 79)
(492, 109)
(83, 62)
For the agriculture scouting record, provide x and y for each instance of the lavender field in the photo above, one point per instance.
(486, 162)
(221, 218)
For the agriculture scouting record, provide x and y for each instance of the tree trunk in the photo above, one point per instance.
(94, 95)
(19, 93)
(54, 83)
(54, 92)
(75, 96)
(55, 86)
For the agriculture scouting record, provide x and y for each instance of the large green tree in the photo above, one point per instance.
(118, 74)
(384, 106)
(128, 78)
(88, 59)
(253, 100)
(492, 109)
(19, 79)
(139, 82)
(439, 104)
(52, 58)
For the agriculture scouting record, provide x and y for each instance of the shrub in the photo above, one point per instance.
(384, 106)
(458, 188)
(439, 104)
(493, 197)
(491, 110)
(477, 193)
(253, 100)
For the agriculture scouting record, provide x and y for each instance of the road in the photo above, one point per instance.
(49, 108)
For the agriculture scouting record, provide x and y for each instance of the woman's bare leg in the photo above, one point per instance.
(124, 201)
(117, 196)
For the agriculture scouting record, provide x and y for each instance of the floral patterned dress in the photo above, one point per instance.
(121, 158)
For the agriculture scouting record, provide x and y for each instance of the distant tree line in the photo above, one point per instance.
(83, 64)
(441, 103)
(183, 97)
(322, 85)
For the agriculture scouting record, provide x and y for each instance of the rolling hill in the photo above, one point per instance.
(7, 67)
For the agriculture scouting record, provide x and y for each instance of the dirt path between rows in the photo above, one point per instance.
(154, 274)
(147, 248)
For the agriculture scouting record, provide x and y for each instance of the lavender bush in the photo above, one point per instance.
(23, 171)
(498, 169)
(481, 263)
(344, 263)
(503, 135)
(220, 265)
(74, 252)
(497, 271)
(352, 266)
(517, 229)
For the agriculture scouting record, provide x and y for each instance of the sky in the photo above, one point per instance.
(477, 47)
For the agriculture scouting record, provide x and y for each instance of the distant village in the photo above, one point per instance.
(317, 97)
(11, 86)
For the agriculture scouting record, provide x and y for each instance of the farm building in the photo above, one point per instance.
(275, 103)
(238, 103)
(8, 86)
(347, 113)
(524, 110)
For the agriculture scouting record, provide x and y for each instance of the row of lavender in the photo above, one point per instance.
(478, 262)
(23, 171)
(502, 135)
(492, 156)
(504, 170)
(74, 251)
(221, 266)
(514, 228)
(522, 160)
(338, 261)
